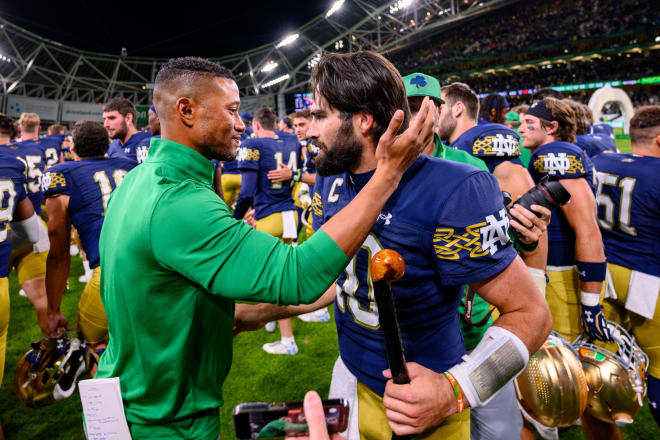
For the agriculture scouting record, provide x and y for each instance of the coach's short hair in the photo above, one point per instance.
(459, 91)
(565, 117)
(190, 68)
(29, 122)
(362, 81)
(7, 126)
(645, 124)
(267, 117)
(123, 106)
(90, 139)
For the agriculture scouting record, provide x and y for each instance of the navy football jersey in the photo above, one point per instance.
(562, 160)
(262, 155)
(445, 242)
(52, 145)
(136, 147)
(591, 145)
(492, 143)
(12, 191)
(88, 183)
(629, 210)
(33, 156)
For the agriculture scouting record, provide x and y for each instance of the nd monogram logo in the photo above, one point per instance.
(495, 232)
(142, 153)
(505, 146)
(559, 163)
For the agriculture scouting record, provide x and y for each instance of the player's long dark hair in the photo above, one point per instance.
(362, 81)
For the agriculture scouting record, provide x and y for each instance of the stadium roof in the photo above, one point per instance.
(36, 66)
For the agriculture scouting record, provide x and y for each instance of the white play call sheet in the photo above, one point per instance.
(103, 409)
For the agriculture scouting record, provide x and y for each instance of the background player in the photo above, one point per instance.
(576, 259)
(17, 213)
(119, 118)
(629, 218)
(28, 258)
(77, 194)
(275, 211)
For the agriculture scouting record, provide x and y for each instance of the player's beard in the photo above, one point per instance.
(122, 132)
(342, 155)
(446, 127)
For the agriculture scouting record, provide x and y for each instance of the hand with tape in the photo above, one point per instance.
(593, 319)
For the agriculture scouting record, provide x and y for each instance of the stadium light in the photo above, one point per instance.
(277, 80)
(334, 8)
(399, 5)
(5, 58)
(270, 65)
(288, 40)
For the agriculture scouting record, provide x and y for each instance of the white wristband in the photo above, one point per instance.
(499, 358)
(589, 299)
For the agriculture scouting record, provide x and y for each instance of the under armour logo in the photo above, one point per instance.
(653, 404)
(384, 217)
(583, 273)
(418, 81)
(495, 232)
(587, 314)
(60, 343)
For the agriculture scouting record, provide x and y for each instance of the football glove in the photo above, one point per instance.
(593, 319)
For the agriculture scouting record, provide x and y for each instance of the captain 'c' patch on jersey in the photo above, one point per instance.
(473, 241)
(53, 180)
(499, 145)
(559, 163)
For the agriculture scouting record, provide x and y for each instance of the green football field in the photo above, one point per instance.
(255, 375)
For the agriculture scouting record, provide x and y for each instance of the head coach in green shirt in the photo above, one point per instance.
(173, 260)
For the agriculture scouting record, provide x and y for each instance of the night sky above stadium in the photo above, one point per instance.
(147, 30)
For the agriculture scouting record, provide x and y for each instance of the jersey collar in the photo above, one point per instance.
(184, 160)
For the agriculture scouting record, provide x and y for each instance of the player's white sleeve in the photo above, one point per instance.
(29, 231)
(499, 357)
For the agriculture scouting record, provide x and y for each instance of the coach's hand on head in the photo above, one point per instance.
(398, 152)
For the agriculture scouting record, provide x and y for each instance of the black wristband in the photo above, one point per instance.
(523, 247)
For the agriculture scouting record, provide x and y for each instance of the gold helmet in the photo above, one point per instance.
(48, 372)
(553, 388)
(617, 380)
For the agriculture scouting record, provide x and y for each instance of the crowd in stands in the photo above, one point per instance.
(535, 24)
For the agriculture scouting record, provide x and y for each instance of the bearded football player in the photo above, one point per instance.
(445, 242)
(120, 119)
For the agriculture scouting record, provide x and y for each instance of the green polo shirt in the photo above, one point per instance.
(471, 334)
(173, 260)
